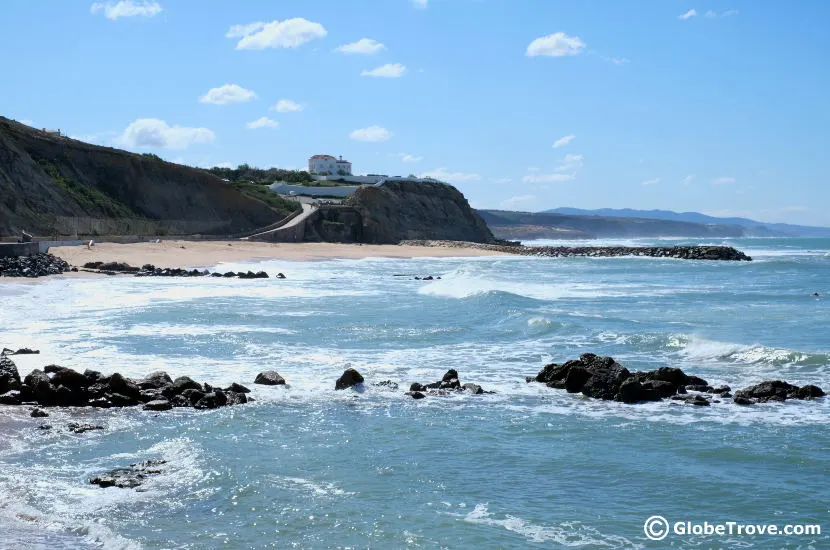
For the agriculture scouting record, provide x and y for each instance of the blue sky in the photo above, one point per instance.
(714, 106)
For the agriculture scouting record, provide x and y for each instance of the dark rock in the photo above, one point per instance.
(10, 398)
(632, 391)
(26, 351)
(692, 399)
(192, 395)
(93, 377)
(809, 392)
(388, 384)
(269, 378)
(129, 478)
(81, 428)
(597, 377)
(417, 387)
(349, 378)
(9, 377)
(39, 413)
(156, 380)
(40, 387)
(415, 394)
(72, 379)
(553, 373)
(121, 400)
(280, 276)
(236, 398)
(775, 390)
(238, 388)
(703, 388)
(475, 389)
(721, 390)
(681, 389)
(150, 395)
(738, 400)
(53, 369)
(661, 388)
(119, 384)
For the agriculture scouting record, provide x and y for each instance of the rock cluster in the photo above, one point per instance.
(725, 253)
(129, 478)
(604, 378)
(57, 386)
(450, 383)
(775, 390)
(38, 265)
(149, 270)
(21, 351)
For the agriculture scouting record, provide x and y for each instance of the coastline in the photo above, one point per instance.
(191, 254)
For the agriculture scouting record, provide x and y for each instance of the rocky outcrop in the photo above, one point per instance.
(9, 377)
(401, 210)
(57, 386)
(269, 378)
(604, 378)
(724, 253)
(348, 379)
(776, 391)
(45, 178)
(131, 477)
(149, 270)
(449, 383)
(38, 265)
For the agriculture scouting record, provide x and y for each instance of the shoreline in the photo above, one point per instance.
(201, 254)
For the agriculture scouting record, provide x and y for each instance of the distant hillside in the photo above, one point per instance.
(56, 185)
(755, 228)
(525, 225)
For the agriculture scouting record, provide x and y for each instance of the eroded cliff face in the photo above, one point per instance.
(405, 210)
(44, 177)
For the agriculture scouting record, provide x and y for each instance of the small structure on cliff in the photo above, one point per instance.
(327, 165)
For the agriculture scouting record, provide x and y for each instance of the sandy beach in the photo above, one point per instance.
(190, 254)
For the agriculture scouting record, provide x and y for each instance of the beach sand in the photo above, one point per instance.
(192, 254)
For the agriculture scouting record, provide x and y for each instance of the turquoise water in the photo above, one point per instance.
(308, 467)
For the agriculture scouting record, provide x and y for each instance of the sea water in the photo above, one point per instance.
(528, 466)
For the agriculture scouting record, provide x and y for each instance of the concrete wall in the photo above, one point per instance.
(341, 191)
(13, 250)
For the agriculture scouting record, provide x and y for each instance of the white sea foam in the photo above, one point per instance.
(567, 534)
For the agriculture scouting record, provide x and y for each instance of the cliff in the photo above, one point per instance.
(525, 225)
(49, 184)
(406, 210)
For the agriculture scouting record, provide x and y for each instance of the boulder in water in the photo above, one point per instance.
(348, 379)
(269, 378)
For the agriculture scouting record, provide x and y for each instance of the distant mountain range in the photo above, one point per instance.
(751, 227)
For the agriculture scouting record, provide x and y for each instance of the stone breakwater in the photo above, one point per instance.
(723, 253)
(38, 265)
(149, 270)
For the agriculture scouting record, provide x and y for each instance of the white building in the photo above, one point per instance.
(329, 166)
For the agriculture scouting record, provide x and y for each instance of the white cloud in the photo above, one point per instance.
(287, 106)
(617, 60)
(514, 201)
(241, 31)
(372, 133)
(126, 8)
(390, 70)
(229, 93)
(713, 14)
(152, 132)
(563, 141)
(420, 3)
(654, 181)
(688, 179)
(570, 162)
(556, 45)
(688, 15)
(453, 177)
(727, 13)
(290, 33)
(724, 180)
(262, 122)
(548, 178)
(365, 46)
(410, 158)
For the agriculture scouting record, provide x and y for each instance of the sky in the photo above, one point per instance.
(716, 106)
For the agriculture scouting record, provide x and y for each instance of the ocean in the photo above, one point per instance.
(526, 467)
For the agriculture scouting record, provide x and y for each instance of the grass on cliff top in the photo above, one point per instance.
(263, 193)
(88, 197)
